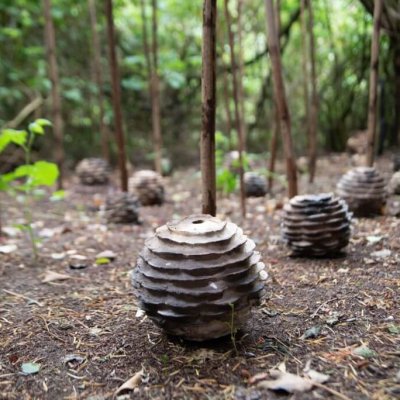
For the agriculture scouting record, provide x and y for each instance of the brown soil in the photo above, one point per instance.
(353, 299)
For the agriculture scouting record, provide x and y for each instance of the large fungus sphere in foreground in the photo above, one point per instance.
(197, 275)
(93, 171)
(364, 190)
(316, 225)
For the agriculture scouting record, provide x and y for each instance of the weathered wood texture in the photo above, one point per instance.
(116, 97)
(373, 84)
(279, 89)
(208, 95)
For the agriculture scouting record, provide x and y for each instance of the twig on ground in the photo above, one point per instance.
(23, 297)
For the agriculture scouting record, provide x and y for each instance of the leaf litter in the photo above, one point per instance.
(92, 312)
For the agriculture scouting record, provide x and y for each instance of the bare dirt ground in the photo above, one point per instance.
(86, 335)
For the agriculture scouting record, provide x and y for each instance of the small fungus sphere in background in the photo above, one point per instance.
(254, 185)
(316, 225)
(122, 208)
(197, 276)
(396, 162)
(394, 184)
(364, 190)
(148, 186)
(93, 171)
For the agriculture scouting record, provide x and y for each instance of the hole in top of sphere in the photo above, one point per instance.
(198, 221)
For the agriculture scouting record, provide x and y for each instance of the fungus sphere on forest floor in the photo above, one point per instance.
(199, 277)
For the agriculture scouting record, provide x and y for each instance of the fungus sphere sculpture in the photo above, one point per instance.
(316, 225)
(122, 208)
(93, 171)
(396, 162)
(148, 186)
(394, 184)
(197, 276)
(364, 190)
(254, 185)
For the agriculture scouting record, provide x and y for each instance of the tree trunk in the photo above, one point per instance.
(304, 59)
(153, 83)
(155, 98)
(227, 97)
(314, 98)
(105, 140)
(241, 72)
(237, 106)
(116, 96)
(373, 83)
(58, 124)
(279, 89)
(395, 136)
(273, 150)
(208, 96)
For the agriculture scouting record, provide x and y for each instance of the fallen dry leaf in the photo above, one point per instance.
(131, 383)
(261, 376)
(107, 254)
(286, 381)
(316, 376)
(52, 276)
(8, 248)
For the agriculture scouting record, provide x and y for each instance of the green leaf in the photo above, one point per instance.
(43, 173)
(57, 195)
(21, 171)
(102, 261)
(311, 333)
(36, 128)
(394, 329)
(30, 368)
(12, 136)
(365, 352)
(43, 122)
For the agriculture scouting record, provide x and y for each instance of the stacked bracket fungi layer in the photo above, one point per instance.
(396, 163)
(93, 171)
(364, 190)
(394, 184)
(254, 185)
(198, 278)
(148, 186)
(316, 225)
(122, 208)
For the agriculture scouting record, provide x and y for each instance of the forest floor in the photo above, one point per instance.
(84, 331)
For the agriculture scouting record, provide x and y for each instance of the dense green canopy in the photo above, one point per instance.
(342, 30)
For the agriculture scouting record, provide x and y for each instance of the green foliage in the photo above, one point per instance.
(8, 136)
(227, 175)
(342, 36)
(28, 178)
(226, 179)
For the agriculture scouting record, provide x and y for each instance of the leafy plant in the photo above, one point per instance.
(26, 180)
(227, 175)
(233, 328)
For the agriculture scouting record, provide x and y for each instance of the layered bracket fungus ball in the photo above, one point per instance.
(316, 225)
(148, 186)
(122, 208)
(394, 185)
(364, 190)
(396, 162)
(199, 277)
(93, 171)
(254, 185)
